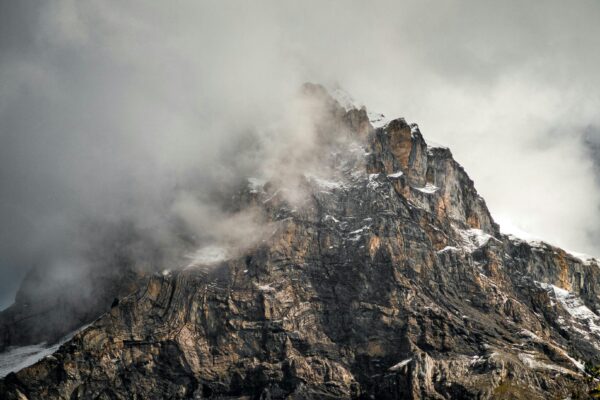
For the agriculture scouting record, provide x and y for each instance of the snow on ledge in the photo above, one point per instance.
(428, 188)
(378, 120)
(448, 248)
(474, 238)
(17, 358)
(432, 144)
(530, 362)
(573, 304)
(578, 364)
(583, 320)
(400, 365)
(396, 174)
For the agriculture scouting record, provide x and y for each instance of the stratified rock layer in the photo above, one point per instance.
(391, 281)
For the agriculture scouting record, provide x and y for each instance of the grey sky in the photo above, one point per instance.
(105, 107)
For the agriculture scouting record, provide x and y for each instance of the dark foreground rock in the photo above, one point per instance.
(391, 281)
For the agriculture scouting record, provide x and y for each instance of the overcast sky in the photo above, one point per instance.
(105, 106)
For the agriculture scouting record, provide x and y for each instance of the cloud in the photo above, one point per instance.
(112, 110)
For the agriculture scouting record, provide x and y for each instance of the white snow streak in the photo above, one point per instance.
(396, 174)
(530, 361)
(428, 188)
(574, 306)
(400, 364)
(378, 120)
(474, 238)
(17, 358)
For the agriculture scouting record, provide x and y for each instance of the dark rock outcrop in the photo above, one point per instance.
(391, 281)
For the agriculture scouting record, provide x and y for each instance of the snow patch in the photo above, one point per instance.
(431, 144)
(331, 217)
(448, 248)
(356, 232)
(17, 358)
(474, 238)
(378, 120)
(530, 362)
(400, 364)
(373, 183)
(580, 366)
(574, 306)
(583, 320)
(428, 188)
(396, 174)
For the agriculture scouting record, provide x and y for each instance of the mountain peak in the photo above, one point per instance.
(389, 279)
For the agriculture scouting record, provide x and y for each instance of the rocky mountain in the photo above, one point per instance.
(388, 279)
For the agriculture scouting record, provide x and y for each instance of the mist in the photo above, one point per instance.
(142, 112)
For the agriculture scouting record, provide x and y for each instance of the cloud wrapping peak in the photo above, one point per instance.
(116, 110)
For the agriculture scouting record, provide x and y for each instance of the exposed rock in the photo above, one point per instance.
(391, 282)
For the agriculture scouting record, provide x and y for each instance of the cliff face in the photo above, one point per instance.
(391, 280)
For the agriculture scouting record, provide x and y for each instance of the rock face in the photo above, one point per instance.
(390, 281)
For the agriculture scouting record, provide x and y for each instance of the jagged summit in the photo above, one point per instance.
(382, 275)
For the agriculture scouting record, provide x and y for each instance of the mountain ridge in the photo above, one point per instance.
(388, 279)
